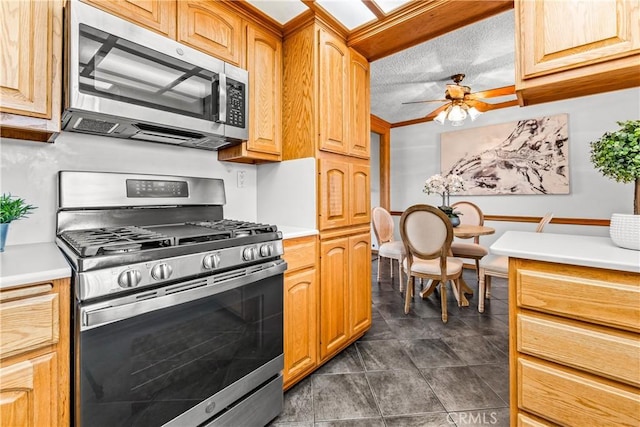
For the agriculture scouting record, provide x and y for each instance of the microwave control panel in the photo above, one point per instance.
(236, 97)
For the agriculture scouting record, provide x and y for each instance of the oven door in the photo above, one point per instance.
(181, 354)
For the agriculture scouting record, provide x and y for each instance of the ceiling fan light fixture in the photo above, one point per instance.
(456, 114)
(441, 116)
(474, 113)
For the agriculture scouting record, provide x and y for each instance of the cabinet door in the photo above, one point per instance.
(154, 15)
(264, 62)
(28, 392)
(334, 295)
(334, 194)
(333, 93)
(359, 194)
(598, 31)
(27, 63)
(360, 120)
(300, 324)
(359, 283)
(210, 27)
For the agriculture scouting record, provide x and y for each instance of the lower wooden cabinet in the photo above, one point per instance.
(323, 316)
(34, 355)
(300, 309)
(574, 345)
(345, 291)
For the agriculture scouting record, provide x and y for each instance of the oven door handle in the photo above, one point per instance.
(99, 314)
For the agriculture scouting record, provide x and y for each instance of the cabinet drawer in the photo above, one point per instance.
(300, 253)
(29, 323)
(568, 398)
(583, 294)
(525, 420)
(602, 351)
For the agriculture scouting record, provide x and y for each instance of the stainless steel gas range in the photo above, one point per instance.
(177, 311)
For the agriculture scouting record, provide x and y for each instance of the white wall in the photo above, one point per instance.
(29, 171)
(415, 155)
(374, 177)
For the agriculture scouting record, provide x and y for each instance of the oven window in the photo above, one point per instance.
(146, 370)
(115, 68)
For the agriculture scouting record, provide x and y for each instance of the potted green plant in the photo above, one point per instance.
(617, 156)
(11, 209)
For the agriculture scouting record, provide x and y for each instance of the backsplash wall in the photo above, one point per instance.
(29, 170)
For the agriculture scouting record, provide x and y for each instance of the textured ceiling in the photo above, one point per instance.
(483, 51)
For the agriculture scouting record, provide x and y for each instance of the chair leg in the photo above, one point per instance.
(488, 286)
(391, 268)
(455, 287)
(478, 269)
(378, 268)
(407, 298)
(443, 301)
(481, 290)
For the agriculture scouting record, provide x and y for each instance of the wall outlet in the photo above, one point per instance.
(241, 175)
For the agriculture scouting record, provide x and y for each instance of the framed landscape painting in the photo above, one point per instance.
(524, 157)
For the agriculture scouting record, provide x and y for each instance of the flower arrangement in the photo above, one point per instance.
(445, 186)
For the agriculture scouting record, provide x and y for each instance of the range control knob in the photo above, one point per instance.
(161, 271)
(211, 261)
(266, 250)
(249, 254)
(129, 278)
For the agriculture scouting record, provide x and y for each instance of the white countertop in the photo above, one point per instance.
(293, 232)
(589, 251)
(36, 262)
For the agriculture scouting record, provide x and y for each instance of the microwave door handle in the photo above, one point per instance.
(222, 98)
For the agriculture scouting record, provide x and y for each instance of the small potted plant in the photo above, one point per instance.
(11, 209)
(445, 186)
(617, 156)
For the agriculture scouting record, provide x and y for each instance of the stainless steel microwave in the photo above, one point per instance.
(125, 81)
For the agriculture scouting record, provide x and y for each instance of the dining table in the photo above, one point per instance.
(463, 231)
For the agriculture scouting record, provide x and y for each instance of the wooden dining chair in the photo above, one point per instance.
(387, 247)
(427, 234)
(498, 266)
(471, 214)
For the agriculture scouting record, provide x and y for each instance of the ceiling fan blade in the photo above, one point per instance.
(485, 106)
(422, 102)
(492, 93)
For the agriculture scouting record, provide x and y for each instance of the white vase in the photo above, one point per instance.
(625, 230)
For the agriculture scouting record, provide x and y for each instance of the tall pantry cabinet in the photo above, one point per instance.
(326, 116)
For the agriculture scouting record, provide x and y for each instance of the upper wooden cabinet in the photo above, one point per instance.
(211, 27)
(31, 69)
(154, 15)
(264, 63)
(326, 95)
(333, 93)
(360, 106)
(567, 49)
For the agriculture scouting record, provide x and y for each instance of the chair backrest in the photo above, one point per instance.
(382, 225)
(426, 233)
(544, 221)
(471, 214)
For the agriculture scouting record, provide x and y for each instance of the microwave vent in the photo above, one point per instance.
(84, 124)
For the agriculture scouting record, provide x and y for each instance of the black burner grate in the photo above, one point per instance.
(97, 241)
(237, 228)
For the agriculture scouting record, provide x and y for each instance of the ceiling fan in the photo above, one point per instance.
(461, 102)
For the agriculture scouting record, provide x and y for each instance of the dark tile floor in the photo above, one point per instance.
(413, 370)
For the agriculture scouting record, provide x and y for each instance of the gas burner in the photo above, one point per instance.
(237, 228)
(123, 248)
